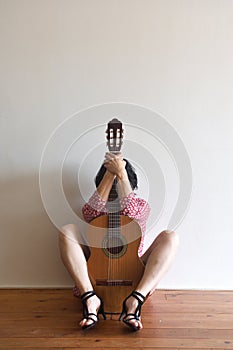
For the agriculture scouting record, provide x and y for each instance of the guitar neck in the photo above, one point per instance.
(113, 210)
(114, 141)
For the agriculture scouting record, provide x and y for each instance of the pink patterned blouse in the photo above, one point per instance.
(131, 206)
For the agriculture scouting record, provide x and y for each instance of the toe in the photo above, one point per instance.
(136, 324)
(86, 322)
(83, 322)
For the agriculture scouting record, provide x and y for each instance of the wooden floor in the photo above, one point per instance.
(48, 319)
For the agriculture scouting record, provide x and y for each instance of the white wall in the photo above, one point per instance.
(172, 56)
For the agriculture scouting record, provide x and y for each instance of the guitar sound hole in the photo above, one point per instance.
(115, 250)
(114, 247)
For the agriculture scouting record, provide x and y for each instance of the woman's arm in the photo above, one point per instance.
(105, 185)
(124, 186)
(116, 165)
(96, 204)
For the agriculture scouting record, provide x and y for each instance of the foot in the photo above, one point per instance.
(131, 305)
(93, 305)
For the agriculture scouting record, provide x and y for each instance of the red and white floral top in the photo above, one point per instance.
(136, 208)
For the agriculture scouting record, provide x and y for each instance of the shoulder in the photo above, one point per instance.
(141, 204)
(141, 201)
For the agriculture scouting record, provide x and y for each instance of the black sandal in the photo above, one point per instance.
(136, 316)
(87, 314)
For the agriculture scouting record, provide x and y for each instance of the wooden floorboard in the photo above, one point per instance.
(48, 320)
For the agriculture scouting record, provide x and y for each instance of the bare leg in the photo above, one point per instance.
(74, 256)
(158, 259)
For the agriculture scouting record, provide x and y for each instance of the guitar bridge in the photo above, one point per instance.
(114, 282)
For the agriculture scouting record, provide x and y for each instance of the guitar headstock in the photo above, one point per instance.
(114, 135)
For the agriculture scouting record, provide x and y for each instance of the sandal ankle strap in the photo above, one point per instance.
(87, 295)
(139, 296)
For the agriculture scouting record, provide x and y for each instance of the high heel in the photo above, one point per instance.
(136, 315)
(87, 314)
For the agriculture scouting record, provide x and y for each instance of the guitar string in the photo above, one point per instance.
(113, 235)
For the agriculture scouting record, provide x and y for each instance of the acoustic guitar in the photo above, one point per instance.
(114, 266)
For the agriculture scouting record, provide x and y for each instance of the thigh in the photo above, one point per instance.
(158, 241)
(72, 232)
(147, 253)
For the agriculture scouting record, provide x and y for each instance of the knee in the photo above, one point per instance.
(62, 238)
(67, 231)
(69, 228)
(171, 236)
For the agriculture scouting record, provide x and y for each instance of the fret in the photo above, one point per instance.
(114, 232)
(114, 221)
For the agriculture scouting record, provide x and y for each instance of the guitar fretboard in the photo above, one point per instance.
(114, 222)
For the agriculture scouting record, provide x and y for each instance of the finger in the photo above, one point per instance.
(109, 155)
(119, 155)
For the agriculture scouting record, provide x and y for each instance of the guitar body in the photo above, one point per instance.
(114, 266)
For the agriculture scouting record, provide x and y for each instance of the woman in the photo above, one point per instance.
(157, 258)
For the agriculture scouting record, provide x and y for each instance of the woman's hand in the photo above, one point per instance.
(115, 164)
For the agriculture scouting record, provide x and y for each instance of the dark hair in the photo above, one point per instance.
(130, 171)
